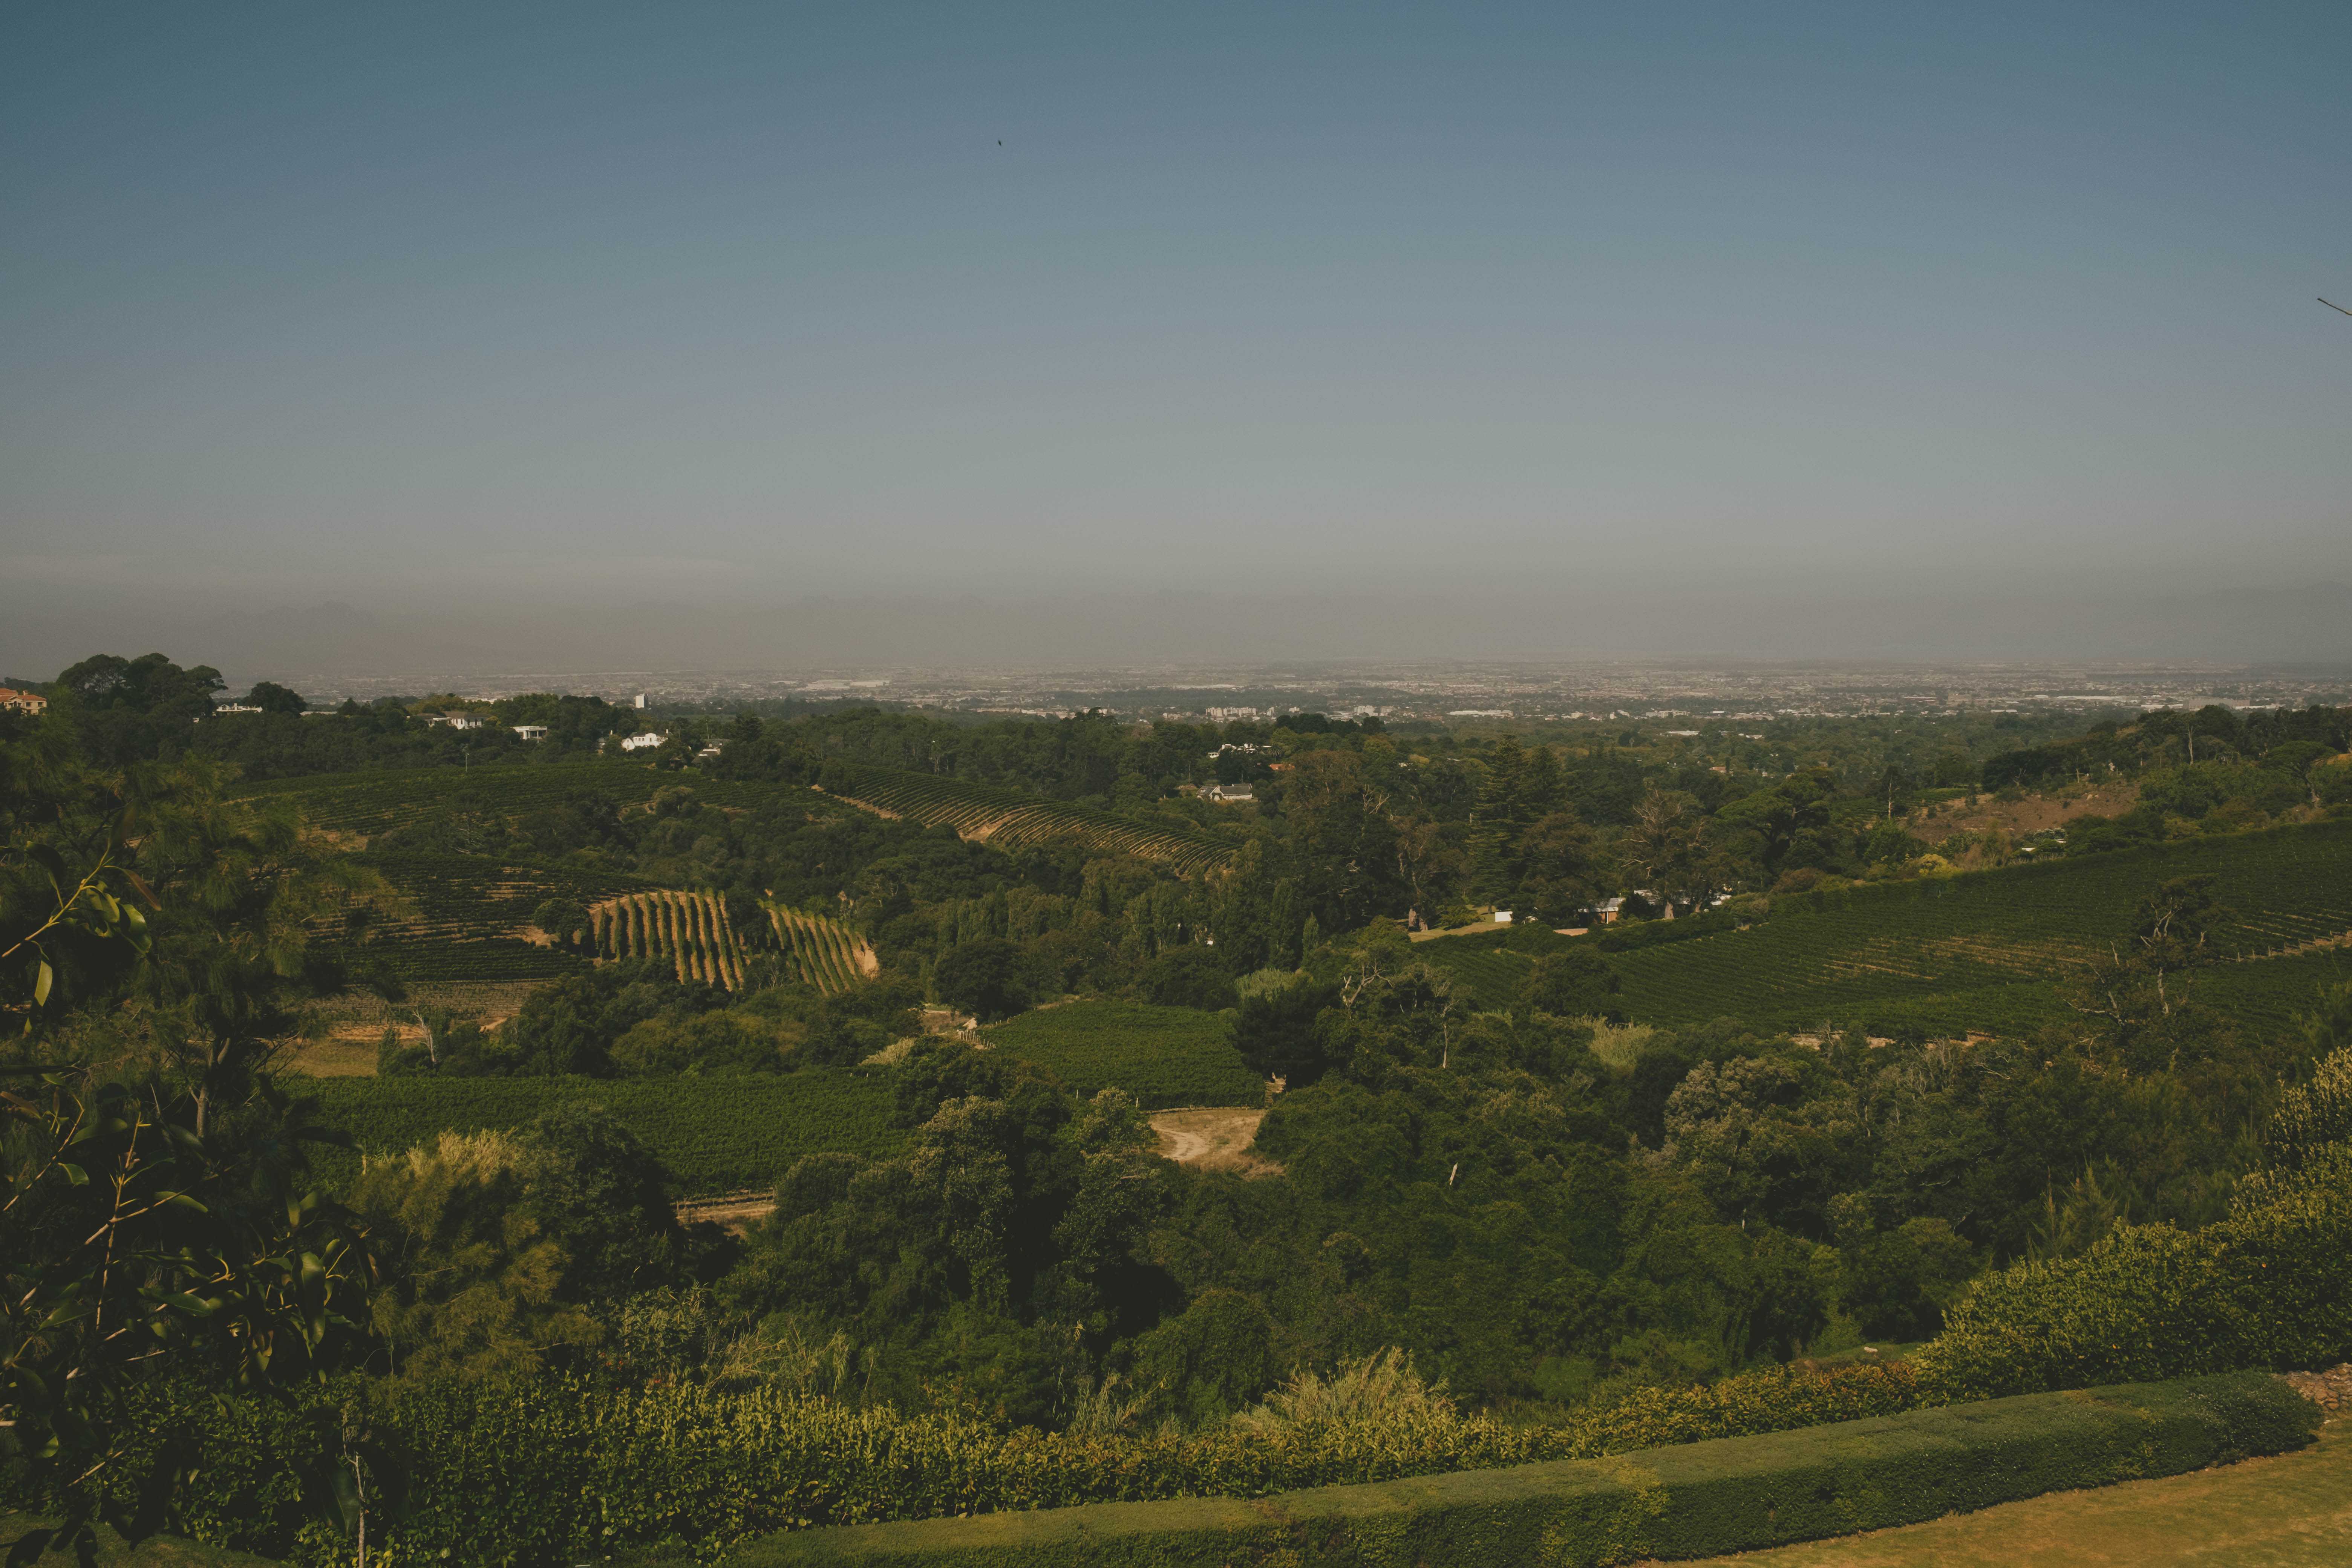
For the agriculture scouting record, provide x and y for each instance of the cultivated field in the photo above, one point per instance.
(823, 953)
(1989, 952)
(467, 919)
(1011, 820)
(692, 929)
(1162, 1055)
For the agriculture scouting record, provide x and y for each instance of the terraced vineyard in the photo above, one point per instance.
(466, 915)
(690, 929)
(1988, 951)
(1011, 820)
(1162, 1055)
(823, 953)
(716, 1134)
(365, 804)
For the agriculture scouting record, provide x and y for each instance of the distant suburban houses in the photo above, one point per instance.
(23, 701)
(645, 742)
(1228, 794)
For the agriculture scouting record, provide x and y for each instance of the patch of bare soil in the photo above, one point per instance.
(336, 1057)
(1217, 1139)
(2024, 818)
(732, 1212)
(1477, 928)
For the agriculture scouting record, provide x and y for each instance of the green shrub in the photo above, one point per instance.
(539, 1470)
(2269, 1286)
(1677, 1503)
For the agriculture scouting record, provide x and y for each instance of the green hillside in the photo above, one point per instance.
(465, 913)
(1986, 951)
(365, 804)
(1012, 819)
(1162, 1055)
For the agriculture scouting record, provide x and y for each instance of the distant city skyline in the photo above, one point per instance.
(707, 331)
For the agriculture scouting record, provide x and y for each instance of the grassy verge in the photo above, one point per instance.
(1702, 1499)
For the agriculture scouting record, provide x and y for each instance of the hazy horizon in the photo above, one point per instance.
(715, 336)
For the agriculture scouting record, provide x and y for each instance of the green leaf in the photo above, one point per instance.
(49, 861)
(42, 978)
(75, 1174)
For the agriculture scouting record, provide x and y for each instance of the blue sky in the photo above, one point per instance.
(591, 305)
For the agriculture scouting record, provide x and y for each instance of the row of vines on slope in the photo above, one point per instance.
(697, 935)
(828, 954)
(691, 929)
(1011, 820)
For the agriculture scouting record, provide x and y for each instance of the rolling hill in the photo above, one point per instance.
(1985, 953)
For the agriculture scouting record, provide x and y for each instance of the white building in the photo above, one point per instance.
(645, 742)
(1229, 795)
(531, 731)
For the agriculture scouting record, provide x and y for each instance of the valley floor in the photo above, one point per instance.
(2292, 1511)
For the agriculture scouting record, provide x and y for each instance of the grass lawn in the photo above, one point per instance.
(2290, 1511)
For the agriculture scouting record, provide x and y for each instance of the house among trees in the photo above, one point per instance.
(644, 742)
(1228, 794)
(531, 731)
(23, 701)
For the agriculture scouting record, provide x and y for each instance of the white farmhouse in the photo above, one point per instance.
(645, 742)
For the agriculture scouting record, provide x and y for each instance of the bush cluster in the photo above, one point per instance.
(2270, 1285)
(546, 1469)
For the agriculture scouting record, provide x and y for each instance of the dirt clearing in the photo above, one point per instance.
(1214, 1140)
(733, 1211)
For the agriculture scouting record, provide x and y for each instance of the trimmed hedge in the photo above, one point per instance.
(1733, 1495)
